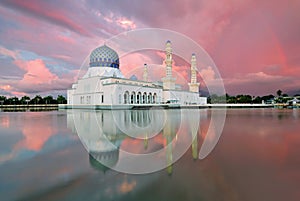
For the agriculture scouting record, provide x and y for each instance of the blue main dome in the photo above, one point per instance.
(104, 56)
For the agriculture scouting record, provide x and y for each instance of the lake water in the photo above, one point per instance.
(62, 155)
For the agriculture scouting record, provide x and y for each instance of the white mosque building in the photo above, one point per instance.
(104, 85)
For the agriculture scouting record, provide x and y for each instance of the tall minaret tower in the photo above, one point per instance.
(194, 85)
(168, 60)
(169, 80)
(145, 74)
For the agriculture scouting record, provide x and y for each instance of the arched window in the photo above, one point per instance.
(154, 98)
(132, 98)
(126, 97)
(149, 98)
(139, 98)
(144, 97)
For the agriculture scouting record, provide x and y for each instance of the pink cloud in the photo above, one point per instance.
(39, 79)
(51, 14)
(7, 52)
(36, 76)
(126, 23)
(36, 72)
(208, 74)
(6, 87)
(258, 83)
(66, 39)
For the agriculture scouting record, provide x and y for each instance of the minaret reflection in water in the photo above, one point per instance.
(104, 132)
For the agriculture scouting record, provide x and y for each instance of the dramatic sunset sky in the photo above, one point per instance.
(255, 44)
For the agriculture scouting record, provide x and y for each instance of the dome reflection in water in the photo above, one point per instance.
(136, 141)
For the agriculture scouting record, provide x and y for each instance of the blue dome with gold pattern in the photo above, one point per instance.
(104, 56)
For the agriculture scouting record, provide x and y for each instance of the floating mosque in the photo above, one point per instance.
(104, 85)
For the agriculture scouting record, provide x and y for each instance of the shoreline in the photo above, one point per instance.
(51, 107)
(28, 108)
(162, 106)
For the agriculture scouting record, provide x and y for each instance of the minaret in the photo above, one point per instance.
(169, 80)
(193, 85)
(145, 75)
(169, 60)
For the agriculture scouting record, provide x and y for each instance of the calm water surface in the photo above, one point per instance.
(45, 155)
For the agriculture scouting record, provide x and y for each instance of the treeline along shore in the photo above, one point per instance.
(37, 100)
(25, 103)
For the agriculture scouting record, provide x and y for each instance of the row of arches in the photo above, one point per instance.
(139, 98)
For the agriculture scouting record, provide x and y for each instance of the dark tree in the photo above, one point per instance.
(2, 100)
(230, 99)
(245, 99)
(25, 100)
(257, 99)
(279, 92)
(49, 100)
(268, 97)
(61, 99)
(37, 100)
(12, 101)
(217, 99)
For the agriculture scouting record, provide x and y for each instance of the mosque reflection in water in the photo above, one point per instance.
(105, 132)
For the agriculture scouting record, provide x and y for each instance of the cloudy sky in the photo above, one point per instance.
(254, 44)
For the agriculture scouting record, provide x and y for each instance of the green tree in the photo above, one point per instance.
(257, 99)
(36, 100)
(285, 95)
(2, 100)
(230, 99)
(25, 100)
(217, 99)
(49, 100)
(279, 92)
(13, 101)
(209, 99)
(244, 99)
(268, 98)
(61, 99)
